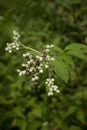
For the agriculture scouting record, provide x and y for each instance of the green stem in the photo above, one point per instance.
(29, 48)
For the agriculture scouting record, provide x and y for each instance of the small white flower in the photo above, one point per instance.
(10, 51)
(41, 64)
(17, 48)
(27, 54)
(55, 87)
(28, 62)
(6, 49)
(48, 57)
(50, 93)
(40, 58)
(24, 65)
(24, 55)
(50, 89)
(37, 57)
(39, 67)
(51, 46)
(23, 72)
(18, 70)
(16, 35)
(20, 73)
(31, 69)
(47, 50)
(41, 71)
(48, 46)
(15, 44)
(46, 82)
(46, 66)
(52, 59)
(58, 91)
(52, 79)
(33, 79)
(31, 61)
(51, 86)
(36, 77)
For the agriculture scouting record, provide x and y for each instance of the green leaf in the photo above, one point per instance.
(78, 95)
(60, 67)
(18, 112)
(57, 49)
(69, 63)
(68, 2)
(34, 124)
(80, 116)
(77, 50)
(64, 67)
(21, 124)
(73, 127)
(71, 110)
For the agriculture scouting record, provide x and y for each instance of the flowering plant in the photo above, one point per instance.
(51, 59)
(35, 65)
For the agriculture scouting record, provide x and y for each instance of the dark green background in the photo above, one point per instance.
(41, 22)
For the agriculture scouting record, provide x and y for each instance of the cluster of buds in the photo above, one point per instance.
(15, 44)
(51, 86)
(34, 65)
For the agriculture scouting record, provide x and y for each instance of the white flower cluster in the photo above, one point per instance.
(15, 44)
(50, 46)
(51, 86)
(34, 65)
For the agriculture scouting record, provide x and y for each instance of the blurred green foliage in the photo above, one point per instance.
(58, 22)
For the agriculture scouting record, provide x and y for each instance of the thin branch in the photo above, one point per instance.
(29, 48)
